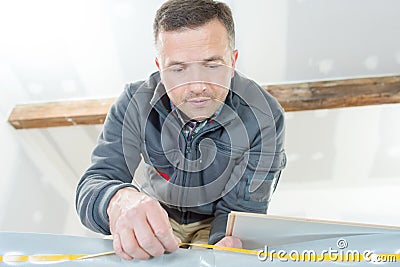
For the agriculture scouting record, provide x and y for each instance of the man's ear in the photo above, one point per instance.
(157, 64)
(235, 56)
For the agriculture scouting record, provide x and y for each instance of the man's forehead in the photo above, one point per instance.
(179, 54)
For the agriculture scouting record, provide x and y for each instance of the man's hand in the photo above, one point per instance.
(230, 241)
(139, 225)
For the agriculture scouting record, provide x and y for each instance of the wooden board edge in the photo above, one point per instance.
(230, 223)
(287, 218)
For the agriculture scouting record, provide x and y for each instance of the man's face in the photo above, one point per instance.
(196, 66)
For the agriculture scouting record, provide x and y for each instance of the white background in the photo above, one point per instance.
(343, 164)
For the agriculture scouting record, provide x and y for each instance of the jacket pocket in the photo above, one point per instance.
(260, 188)
(161, 159)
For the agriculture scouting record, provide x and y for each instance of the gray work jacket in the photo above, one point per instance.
(233, 163)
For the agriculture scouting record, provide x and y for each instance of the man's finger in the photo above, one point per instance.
(118, 248)
(162, 229)
(130, 245)
(230, 241)
(146, 237)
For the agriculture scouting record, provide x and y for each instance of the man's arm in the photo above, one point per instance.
(108, 172)
(106, 200)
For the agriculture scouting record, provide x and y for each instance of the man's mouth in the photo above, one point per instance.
(199, 101)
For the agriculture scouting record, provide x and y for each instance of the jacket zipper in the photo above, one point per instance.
(188, 150)
(184, 174)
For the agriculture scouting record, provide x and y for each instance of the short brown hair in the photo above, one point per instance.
(179, 14)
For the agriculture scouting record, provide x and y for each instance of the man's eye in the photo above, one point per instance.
(213, 66)
(177, 69)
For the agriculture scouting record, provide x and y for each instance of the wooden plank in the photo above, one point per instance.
(293, 97)
(256, 229)
(65, 113)
(337, 93)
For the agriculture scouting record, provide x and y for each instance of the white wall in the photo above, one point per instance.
(343, 164)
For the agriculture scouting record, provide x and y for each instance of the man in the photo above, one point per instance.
(211, 140)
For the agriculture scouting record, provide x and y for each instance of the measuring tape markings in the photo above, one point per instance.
(260, 253)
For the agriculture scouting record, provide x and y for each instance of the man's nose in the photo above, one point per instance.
(197, 88)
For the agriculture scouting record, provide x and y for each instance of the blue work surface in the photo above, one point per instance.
(47, 244)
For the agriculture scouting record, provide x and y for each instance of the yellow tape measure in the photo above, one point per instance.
(237, 250)
(40, 258)
(70, 257)
(51, 258)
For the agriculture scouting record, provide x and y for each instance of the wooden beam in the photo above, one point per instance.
(337, 93)
(293, 97)
(65, 113)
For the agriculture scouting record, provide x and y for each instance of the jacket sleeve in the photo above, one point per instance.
(108, 172)
(257, 175)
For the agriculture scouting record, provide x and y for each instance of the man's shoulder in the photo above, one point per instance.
(136, 96)
(253, 96)
(143, 88)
